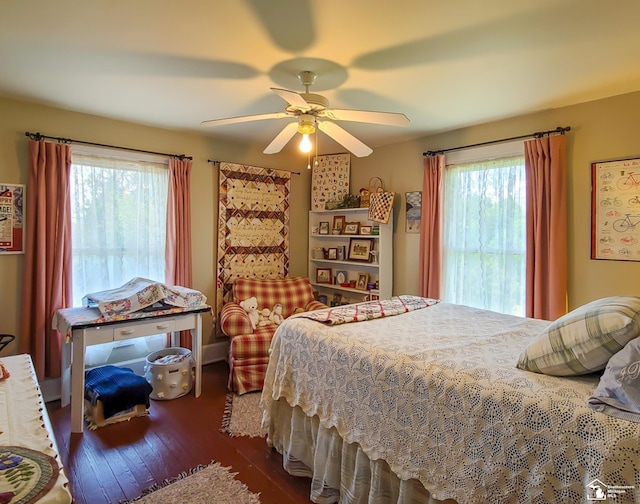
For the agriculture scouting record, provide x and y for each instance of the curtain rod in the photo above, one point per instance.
(37, 137)
(560, 130)
(274, 169)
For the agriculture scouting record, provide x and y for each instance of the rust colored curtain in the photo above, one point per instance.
(47, 284)
(545, 164)
(178, 266)
(431, 227)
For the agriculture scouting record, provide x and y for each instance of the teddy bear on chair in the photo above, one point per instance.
(276, 314)
(251, 307)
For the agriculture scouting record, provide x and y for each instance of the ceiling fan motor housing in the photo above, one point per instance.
(306, 124)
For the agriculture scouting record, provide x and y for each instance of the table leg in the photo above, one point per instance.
(197, 348)
(77, 382)
(65, 379)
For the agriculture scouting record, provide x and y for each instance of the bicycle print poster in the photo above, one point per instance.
(615, 210)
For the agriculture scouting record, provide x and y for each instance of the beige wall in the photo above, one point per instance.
(17, 117)
(600, 130)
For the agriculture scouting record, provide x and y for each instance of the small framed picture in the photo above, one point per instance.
(359, 249)
(324, 228)
(338, 222)
(365, 230)
(342, 277)
(332, 253)
(323, 275)
(351, 228)
(322, 298)
(363, 278)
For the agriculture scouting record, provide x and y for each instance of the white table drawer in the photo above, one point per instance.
(99, 334)
(144, 329)
(184, 323)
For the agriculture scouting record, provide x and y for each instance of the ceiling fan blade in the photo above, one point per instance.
(344, 138)
(366, 116)
(281, 140)
(241, 119)
(292, 98)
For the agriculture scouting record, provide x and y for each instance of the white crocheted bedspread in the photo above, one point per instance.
(436, 393)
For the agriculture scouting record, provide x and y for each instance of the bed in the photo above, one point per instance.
(426, 404)
(30, 466)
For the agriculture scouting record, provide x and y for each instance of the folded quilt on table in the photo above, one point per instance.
(143, 294)
(369, 310)
(118, 389)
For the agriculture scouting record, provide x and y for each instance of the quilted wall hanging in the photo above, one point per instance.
(253, 225)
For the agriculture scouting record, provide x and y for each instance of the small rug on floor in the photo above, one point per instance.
(201, 485)
(243, 416)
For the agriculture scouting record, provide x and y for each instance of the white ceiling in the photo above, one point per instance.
(445, 64)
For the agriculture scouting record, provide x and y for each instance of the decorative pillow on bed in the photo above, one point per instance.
(582, 341)
(618, 393)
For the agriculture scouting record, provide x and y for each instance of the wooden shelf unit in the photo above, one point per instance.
(382, 271)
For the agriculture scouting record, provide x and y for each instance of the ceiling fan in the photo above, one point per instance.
(312, 111)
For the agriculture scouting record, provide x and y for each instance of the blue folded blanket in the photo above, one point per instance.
(117, 388)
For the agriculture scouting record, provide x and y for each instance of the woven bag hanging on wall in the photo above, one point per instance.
(380, 201)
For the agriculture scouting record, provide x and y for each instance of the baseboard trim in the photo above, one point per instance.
(214, 352)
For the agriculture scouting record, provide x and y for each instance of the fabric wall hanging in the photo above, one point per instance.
(330, 180)
(253, 225)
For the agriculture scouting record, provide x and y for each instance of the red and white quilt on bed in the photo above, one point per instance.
(369, 310)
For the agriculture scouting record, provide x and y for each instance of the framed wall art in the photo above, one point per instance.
(12, 207)
(324, 228)
(414, 211)
(351, 228)
(359, 249)
(362, 281)
(323, 275)
(615, 210)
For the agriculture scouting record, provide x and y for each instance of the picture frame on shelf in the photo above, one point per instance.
(351, 228)
(338, 222)
(361, 283)
(359, 249)
(342, 278)
(337, 299)
(332, 253)
(366, 230)
(323, 299)
(324, 228)
(323, 275)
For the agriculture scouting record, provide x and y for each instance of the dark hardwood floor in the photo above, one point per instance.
(119, 461)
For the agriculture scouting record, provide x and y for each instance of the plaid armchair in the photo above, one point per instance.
(249, 348)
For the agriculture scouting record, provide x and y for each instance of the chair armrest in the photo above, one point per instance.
(234, 320)
(315, 305)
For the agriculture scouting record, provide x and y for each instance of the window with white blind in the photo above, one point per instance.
(118, 227)
(485, 233)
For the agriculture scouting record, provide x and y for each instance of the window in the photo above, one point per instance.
(118, 221)
(118, 228)
(485, 234)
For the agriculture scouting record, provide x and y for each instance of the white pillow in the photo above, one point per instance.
(582, 341)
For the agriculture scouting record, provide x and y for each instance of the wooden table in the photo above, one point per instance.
(82, 327)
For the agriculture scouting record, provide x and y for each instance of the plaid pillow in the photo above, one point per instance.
(582, 341)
